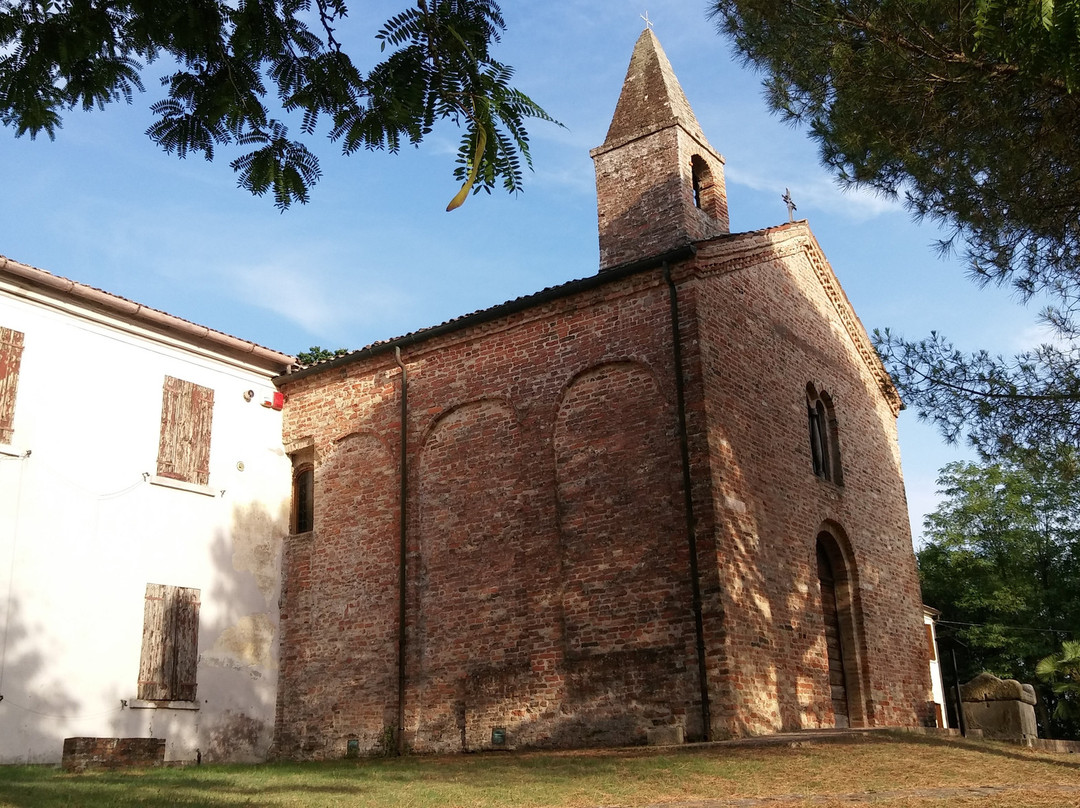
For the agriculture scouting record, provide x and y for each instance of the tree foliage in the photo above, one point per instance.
(316, 354)
(968, 109)
(999, 403)
(1062, 671)
(245, 69)
(1002, 563)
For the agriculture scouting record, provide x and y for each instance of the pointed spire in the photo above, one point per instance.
(659, 184)
(651, 95)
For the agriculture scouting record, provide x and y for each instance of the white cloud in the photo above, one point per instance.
(1026, 339)
(285, 290)
(324, 305)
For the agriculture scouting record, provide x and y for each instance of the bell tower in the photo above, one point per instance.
(659, 184)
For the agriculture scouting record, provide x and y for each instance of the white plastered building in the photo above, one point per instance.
(937, 681)
(143, 496)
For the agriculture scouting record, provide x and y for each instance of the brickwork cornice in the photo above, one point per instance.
(692, 132)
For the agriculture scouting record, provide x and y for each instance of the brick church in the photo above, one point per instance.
(663, 501)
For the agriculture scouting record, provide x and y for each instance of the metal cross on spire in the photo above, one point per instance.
(648, 22)
(790, 205)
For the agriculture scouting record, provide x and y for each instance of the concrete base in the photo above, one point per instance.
(665, 736)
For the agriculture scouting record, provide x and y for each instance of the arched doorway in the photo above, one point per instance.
(840, 625)
(834, 643)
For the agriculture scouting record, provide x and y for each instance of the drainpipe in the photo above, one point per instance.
(688, 500)
(402, 501)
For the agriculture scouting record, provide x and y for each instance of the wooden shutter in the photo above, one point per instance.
(11, 347)
(186, 418)
(153, 677)
(170, 646)
(186, 643)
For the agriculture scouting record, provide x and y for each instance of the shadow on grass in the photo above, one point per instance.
(998, 748)
(525, 779)
(473, 779)
(216, 788)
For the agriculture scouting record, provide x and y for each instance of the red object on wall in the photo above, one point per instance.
(275, 400)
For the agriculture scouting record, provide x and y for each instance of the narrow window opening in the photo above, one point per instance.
(819, 449)
(302, 517)
(700, 180)
(823, 430)
(304, 499)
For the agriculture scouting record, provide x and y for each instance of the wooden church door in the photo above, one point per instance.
(833, 641)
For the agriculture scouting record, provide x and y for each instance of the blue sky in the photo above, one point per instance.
(375, 255)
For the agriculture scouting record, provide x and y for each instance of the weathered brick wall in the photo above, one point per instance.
(81, 754)
(548, 570)
(549, 590)
(641, 215)
(768, 327)
(339, 583)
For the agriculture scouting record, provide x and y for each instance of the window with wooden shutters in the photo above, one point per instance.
(170, 643)
(186, 414)
(11, 348)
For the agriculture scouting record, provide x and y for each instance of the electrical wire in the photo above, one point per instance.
(80, 487)
(1002, 627)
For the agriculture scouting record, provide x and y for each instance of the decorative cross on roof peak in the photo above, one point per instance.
(790, 205)
(648, 22)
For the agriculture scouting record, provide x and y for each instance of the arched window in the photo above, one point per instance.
(304, 499)
(701, 181)
(302, 518)
(824, 443)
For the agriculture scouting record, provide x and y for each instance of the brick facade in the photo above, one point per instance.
(608, 491)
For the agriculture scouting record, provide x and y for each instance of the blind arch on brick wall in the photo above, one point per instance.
(620, 517)
(356, 495)
(339, 606)
(479, 568)
(839, 603)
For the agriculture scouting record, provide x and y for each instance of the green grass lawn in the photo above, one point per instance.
(887, 770)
